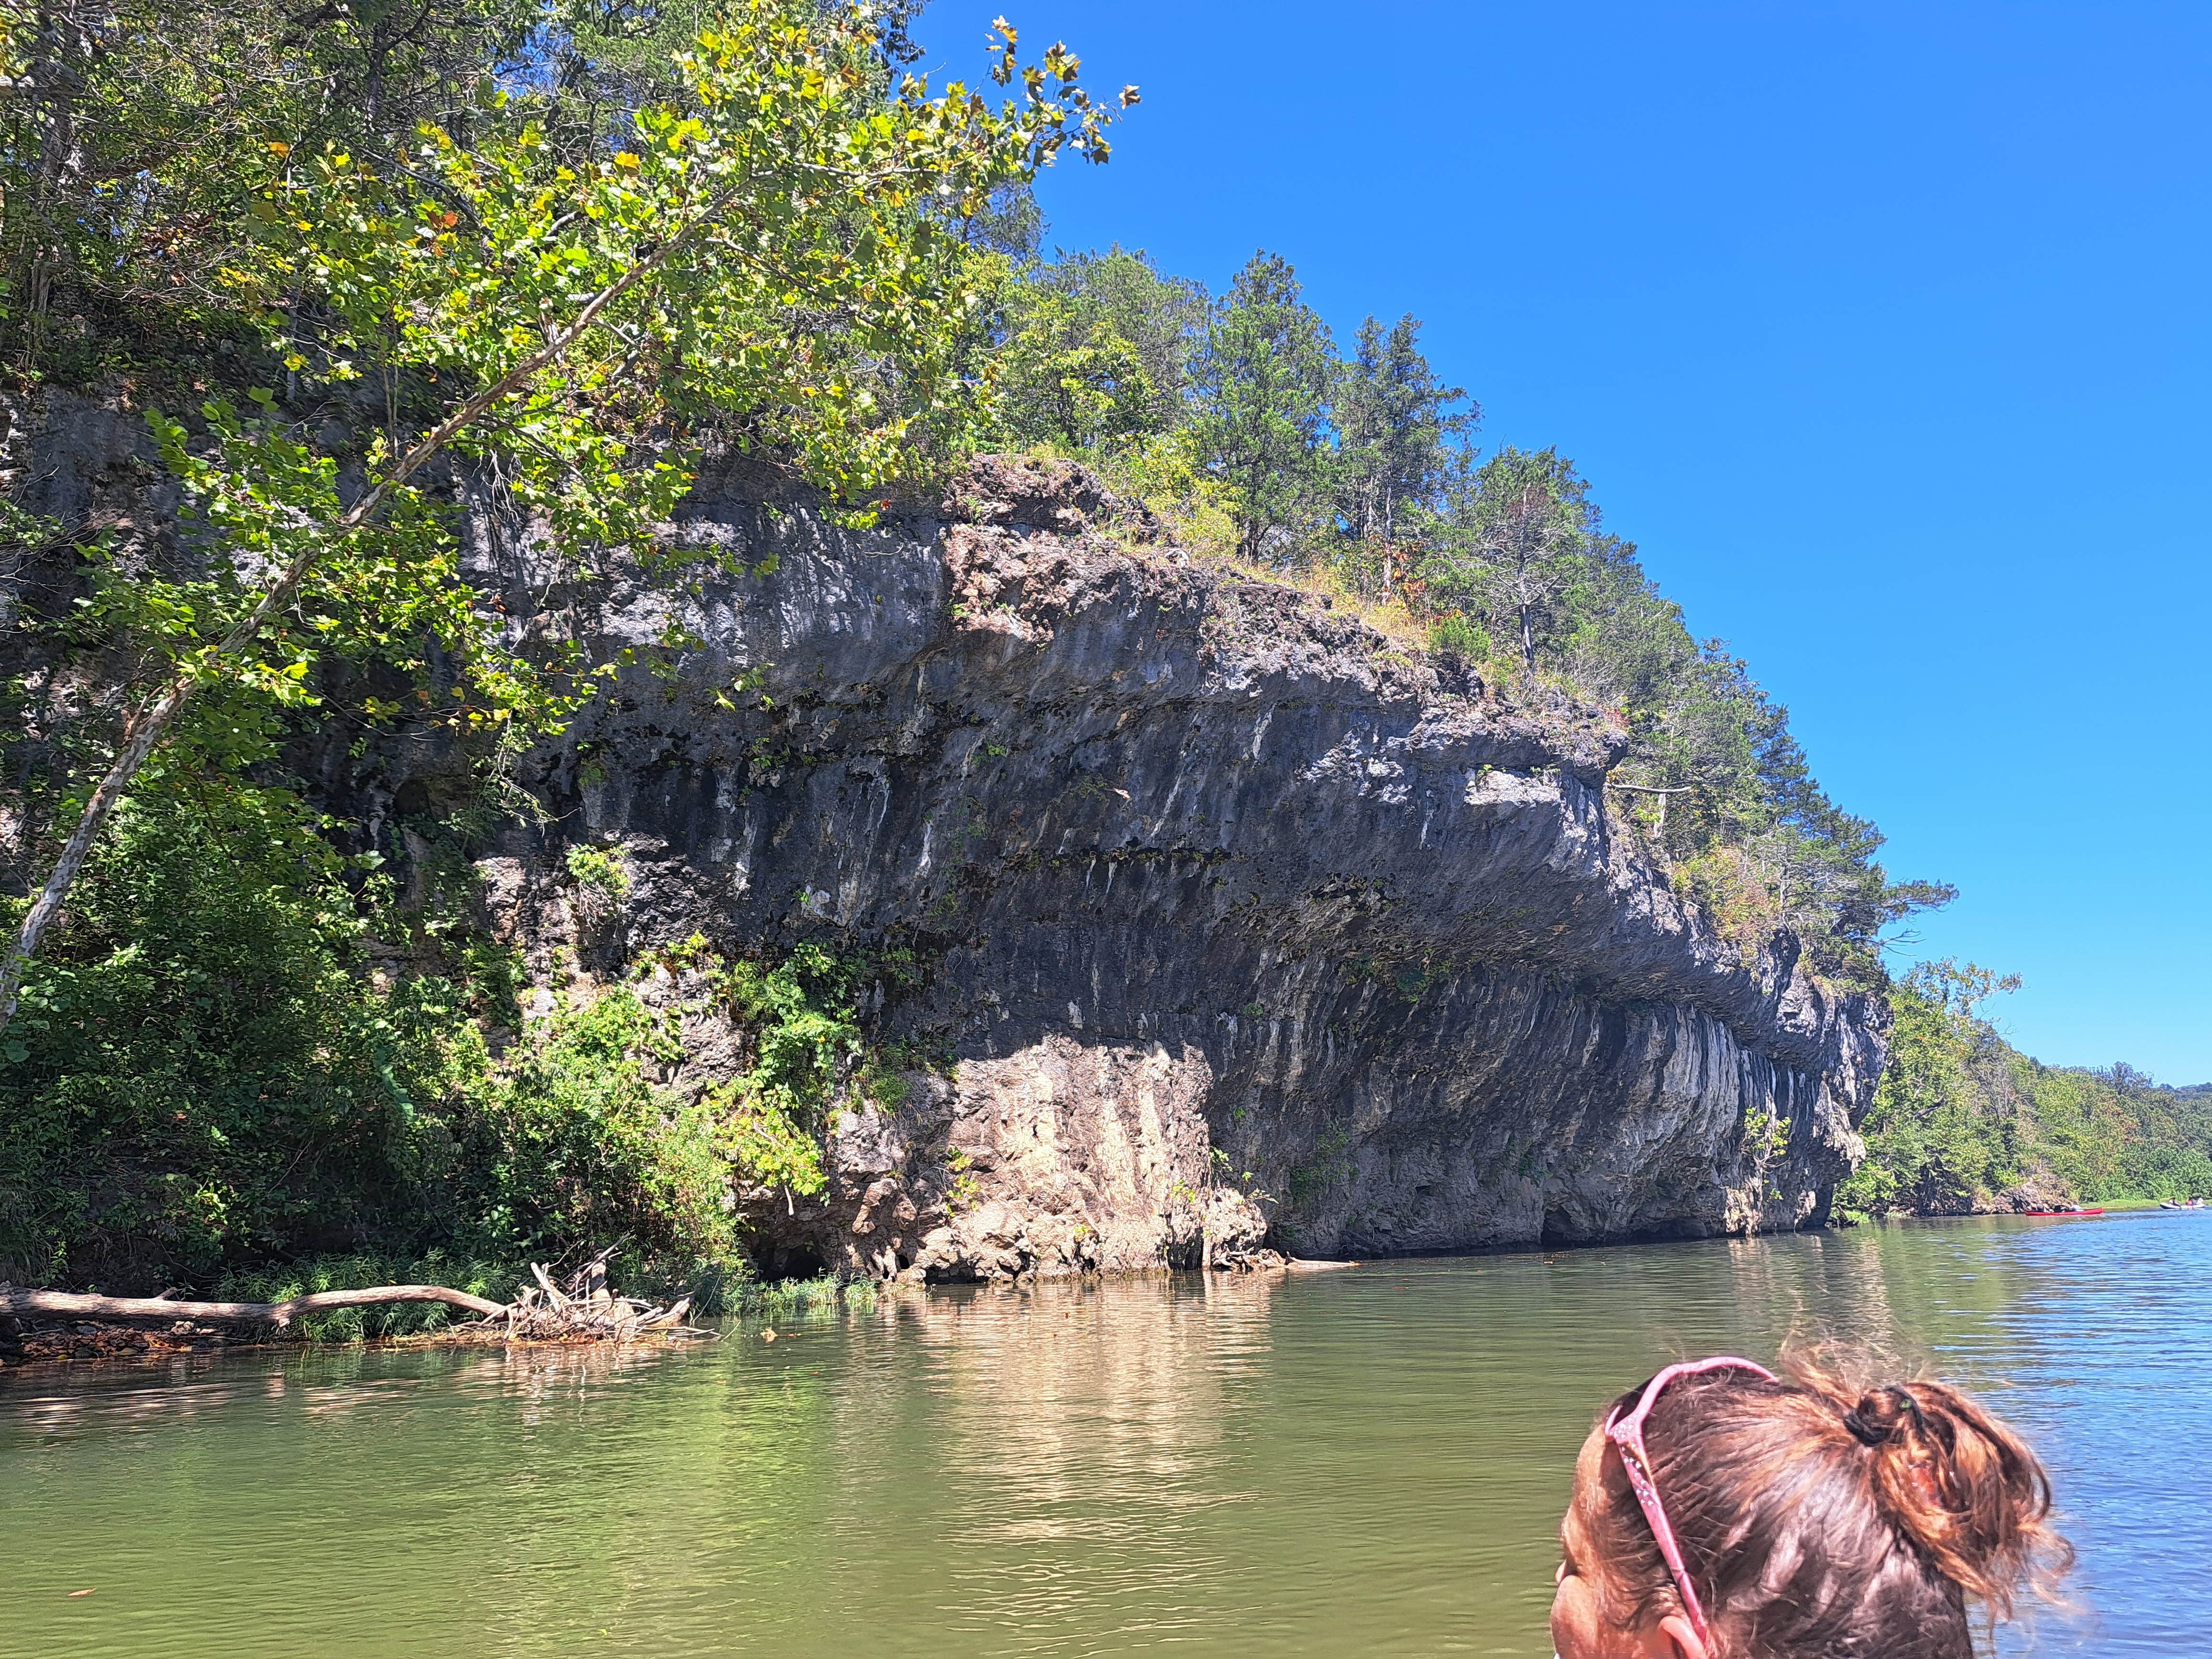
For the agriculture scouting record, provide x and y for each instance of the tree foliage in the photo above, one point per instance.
(1963, 1122)
(1513, 542)
(1092, 353)
(1260, 408)
(773, 259)
(1400, 447)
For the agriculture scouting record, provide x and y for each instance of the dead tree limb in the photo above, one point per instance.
(580, 1309)
(1652, 789)
(68, 1305)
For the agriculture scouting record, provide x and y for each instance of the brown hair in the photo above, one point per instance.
(1821, 1520)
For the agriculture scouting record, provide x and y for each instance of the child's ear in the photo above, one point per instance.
(1681, 1642)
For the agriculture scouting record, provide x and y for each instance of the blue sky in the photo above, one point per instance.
(1882, 329)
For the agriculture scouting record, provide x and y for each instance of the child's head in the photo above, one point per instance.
(1813, 1520)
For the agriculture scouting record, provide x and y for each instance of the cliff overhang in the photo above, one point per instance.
(1242, 917)
(1240, 921)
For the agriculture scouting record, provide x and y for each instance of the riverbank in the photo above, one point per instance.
(26, 1342)
(2052, 1208)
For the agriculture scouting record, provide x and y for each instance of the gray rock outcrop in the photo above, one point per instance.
(1240, 917)
(1238, 921)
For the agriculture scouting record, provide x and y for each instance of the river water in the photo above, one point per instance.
(1366, 1460)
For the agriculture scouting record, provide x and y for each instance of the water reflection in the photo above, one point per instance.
(1366, 1461)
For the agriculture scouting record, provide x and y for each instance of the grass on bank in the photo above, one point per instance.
(792, 1298)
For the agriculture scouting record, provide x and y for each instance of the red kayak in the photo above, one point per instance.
(2096, 1212)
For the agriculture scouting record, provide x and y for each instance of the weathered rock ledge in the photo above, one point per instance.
(1223, 895)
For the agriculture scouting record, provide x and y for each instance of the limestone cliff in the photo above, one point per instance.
(1237, 920)
(1238, 917)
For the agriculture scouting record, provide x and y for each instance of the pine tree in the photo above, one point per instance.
(1398, 437)
(1263, 384)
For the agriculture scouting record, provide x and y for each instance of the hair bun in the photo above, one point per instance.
(1884, 1412)
(1957, 1482)
(1865, 1430)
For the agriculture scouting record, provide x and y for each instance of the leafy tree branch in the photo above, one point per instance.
(582, 323)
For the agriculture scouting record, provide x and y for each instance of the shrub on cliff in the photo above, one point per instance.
(572, 1140)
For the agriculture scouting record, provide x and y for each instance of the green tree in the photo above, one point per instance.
(1962, 1119)
(1514, 542)
(1262, 385)
(1163, 319)
(203, 1071)
(1066, 376)
(130, 147)
(1936, 1140)
(771, 260)
(1093, 351)
(1399, 441)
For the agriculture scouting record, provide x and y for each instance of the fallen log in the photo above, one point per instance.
(70, 1304)
(580, 1309)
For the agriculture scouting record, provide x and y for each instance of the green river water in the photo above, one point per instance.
(1367, 1460)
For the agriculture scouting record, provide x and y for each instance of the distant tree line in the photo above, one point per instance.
(1963, 1122)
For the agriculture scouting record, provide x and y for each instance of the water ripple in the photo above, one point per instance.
(1365, 1461)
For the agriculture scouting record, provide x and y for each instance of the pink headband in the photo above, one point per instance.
(1627, 1433)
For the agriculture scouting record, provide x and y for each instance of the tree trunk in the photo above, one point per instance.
(67, 1304)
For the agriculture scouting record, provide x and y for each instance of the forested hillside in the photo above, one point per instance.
(368, 284)
(1965, 1123)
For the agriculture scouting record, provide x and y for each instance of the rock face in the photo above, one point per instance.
(1237, 920)
(1064, 1157)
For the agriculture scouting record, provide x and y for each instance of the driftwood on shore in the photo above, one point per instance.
(68, 1305)
(585, 1309)
(581, 1309)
